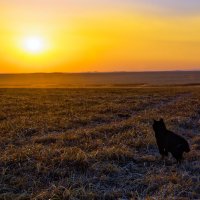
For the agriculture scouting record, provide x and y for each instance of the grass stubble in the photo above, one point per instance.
(96, 143)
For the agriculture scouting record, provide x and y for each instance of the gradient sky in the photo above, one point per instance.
(106, 35)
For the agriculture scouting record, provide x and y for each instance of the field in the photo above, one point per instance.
(96, 143)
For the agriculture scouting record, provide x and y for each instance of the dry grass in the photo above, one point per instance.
(96, 143)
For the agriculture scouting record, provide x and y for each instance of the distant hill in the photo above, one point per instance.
(115, 79)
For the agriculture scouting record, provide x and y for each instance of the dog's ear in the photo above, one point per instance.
(154, 121)
(161, 120)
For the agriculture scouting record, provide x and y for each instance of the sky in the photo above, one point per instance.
(94, 35)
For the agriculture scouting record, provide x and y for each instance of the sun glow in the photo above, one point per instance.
(33, 44)
(82, 36)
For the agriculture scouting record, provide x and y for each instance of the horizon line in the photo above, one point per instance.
(99, 72)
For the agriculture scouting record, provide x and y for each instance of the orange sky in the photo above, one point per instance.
(86, 35)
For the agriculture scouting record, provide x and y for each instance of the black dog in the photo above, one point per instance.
(168, 141)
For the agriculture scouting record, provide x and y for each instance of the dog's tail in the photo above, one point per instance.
(184, 147)
(187, 148)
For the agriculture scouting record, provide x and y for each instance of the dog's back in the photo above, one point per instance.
(177, 142)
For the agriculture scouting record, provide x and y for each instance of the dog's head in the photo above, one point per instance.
(159, 125)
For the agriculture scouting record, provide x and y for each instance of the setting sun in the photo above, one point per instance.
(33, 44)
(82, 36)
